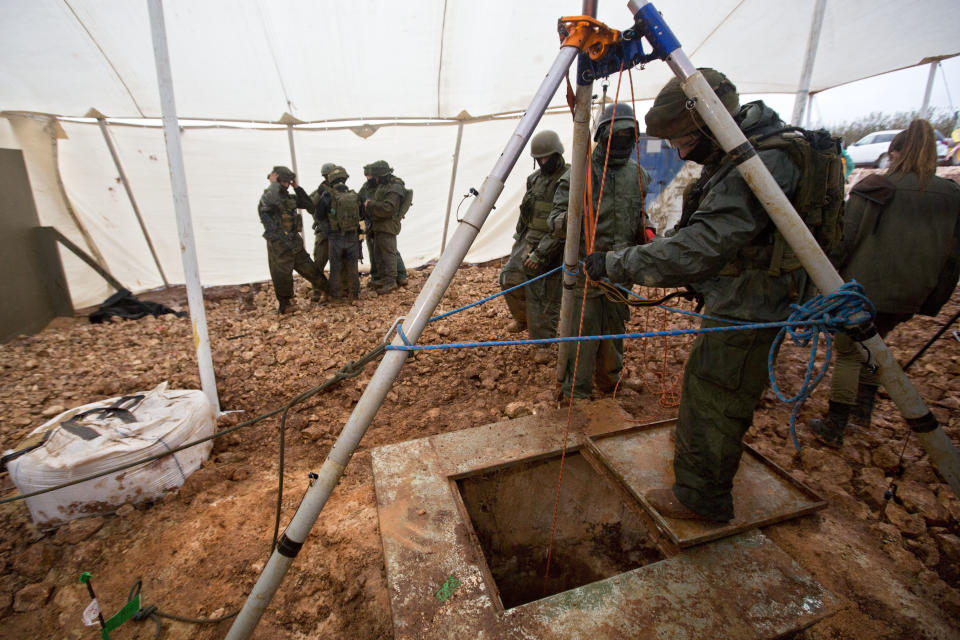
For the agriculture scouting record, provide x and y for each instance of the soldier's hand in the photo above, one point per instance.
(596, 265)
(531, 263)
(294, 183)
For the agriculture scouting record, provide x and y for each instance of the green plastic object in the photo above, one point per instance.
(445, 591)
(128, 611)
(85, 577)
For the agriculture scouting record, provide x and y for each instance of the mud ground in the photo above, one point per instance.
(895, 565)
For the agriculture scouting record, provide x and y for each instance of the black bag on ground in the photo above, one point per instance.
(124, 304)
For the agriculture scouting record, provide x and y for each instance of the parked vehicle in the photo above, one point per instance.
(871, 149)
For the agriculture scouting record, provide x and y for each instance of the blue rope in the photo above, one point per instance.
(843, 309)
(496, 295)
(613, 336)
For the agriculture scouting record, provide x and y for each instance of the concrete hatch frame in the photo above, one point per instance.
(441, 585)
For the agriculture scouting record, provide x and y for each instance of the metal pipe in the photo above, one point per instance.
(293, 149)
(181, 204)
(579, 161)
(133, 203)
(803, 90)
(925, 107)
(453, 179)
(414, 323)
(941, 451)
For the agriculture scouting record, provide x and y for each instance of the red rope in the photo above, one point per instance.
(590, 228)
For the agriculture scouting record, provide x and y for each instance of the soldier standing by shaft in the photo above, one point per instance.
(385, 199)
(535, 250)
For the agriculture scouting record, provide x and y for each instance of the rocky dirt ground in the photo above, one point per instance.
(894, 565)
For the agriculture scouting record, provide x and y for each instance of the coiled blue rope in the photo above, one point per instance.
(842, 309)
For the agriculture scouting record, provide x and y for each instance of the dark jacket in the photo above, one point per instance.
(902, 241)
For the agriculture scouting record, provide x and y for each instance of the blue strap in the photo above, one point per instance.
(496, 295)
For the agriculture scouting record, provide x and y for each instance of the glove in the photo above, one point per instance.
(596, 265)
(532, 263)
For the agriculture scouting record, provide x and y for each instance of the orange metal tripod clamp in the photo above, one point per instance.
(591, 36)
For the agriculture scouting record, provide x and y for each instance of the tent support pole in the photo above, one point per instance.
(413, 324)
(921, 420)
(293, 149)
(579, 161)
(803, 90)
(925, 106)
(133, 202)
(453, 180)
(181, 205)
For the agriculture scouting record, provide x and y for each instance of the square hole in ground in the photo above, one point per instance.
(511, 509)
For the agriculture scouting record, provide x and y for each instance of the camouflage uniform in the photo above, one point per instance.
(722, 249)
(344, 237)
(383, 194)
(282, 226)
(537, 305)
(620, 223)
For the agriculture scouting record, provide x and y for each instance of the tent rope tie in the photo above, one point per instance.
(844, 309)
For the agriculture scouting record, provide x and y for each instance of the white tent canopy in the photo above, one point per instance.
(420, 63)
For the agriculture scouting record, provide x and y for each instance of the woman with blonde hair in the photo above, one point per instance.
(902, 243)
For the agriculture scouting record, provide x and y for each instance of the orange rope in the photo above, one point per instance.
(590, 222)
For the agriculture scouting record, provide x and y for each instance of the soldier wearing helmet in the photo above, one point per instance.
(320, 199)
(722, 249)
(537, 305)
(620, 222)
(344, 216)
(282, 226)
(385, 199)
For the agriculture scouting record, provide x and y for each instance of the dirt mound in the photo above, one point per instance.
(894, 564)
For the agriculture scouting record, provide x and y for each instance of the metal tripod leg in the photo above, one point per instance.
(373, 396)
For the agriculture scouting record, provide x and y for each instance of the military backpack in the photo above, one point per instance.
(344, 210)
(818, 198)
(407, 201)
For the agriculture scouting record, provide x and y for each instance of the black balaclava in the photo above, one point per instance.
(550, 164)
(704, 149)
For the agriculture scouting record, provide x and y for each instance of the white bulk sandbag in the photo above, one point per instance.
(84, 442)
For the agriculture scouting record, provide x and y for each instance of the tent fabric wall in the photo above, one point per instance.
(322, 60)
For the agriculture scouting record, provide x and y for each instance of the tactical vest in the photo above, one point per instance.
(344, 210)
(818, 198)
(290, 220)
(538, 202)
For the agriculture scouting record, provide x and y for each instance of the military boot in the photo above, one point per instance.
(863, 410)
(829, 431)
(285, 306)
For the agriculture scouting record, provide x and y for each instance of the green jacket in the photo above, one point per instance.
(620, 218)
(278, 212)
(724, 225)
(533, 226)
(383, 210)
(906, 252)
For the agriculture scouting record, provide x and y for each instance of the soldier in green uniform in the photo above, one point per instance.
(282, 226)
(620, 223)
(722, 247)
(537, 305)
(385, 199)
(321, 226)
(344, 216)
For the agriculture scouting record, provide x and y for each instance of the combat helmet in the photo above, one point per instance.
(545, 143)
(670, 117)
(327, 168)
(283, 173)
(622, 119)
(378, 168)
(337, 173)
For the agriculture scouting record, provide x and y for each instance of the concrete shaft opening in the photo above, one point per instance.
(511, 510)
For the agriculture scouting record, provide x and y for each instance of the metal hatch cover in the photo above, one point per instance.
(740, 587)
(763, 493)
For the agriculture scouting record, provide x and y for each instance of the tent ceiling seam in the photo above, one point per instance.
(105, 57)
(716, 28)
(273, 56)
(443, 33)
